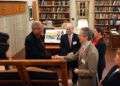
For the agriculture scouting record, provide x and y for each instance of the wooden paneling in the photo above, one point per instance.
(10, 8)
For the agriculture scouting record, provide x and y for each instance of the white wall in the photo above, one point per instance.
(17, 28)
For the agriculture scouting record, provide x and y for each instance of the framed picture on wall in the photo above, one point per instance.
(53, 35)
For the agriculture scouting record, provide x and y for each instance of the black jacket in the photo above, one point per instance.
(65, 46)
(112, 78)
(3, 45)
(34, 48)
(101, 47)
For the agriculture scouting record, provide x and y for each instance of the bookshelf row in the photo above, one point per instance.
(54, 9)
(60, 19)
(106, 16)
(54, 2)
(54, 16)
(107, 9)
(107, 3)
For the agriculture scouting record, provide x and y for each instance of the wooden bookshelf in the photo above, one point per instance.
(107, 14)
(55, 10)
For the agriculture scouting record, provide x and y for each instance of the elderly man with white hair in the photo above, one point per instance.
(34, 42)
(70, 43)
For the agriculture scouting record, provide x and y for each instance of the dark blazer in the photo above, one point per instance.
(101, 47)
(34, 48)
(112, 78)
(65, 46)
(4, 46)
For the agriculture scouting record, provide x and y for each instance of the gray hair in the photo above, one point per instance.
(35, 24)
(87, 32)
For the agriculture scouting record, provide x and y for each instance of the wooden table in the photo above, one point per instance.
(53, 48)
(59, 65)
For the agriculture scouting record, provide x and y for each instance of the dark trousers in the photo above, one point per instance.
(71, 66)
(100, 72)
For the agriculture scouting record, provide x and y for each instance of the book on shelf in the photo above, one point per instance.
(54, 3)
(54, 16)
(107, 3)
(42, 2)
(54, 10)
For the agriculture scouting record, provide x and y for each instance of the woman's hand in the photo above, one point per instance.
(76, 71)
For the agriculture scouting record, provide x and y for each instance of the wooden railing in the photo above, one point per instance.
(58, 65)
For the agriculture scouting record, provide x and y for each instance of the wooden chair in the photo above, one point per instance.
(24, 76)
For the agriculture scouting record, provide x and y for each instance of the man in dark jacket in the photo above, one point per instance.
(4, 46)
(70, 43)
(34, 42)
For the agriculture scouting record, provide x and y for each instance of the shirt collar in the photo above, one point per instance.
(86, 44)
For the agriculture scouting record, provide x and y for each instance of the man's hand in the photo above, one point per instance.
(58, 57)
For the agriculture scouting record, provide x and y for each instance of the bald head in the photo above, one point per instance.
(69, 28)
(37, 28)
(69, 25)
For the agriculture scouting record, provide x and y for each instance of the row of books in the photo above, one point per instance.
(102, 22)
(108, 9)
(106, 16)
(54, 9)
(55, 2)
(54, 16)
(107, 2)
(112, 22)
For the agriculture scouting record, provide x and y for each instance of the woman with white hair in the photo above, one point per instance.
(87, 57)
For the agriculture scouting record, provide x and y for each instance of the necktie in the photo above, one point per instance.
(70, 40)
(82, 49)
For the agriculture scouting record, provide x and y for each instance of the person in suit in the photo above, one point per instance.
(34, 42)
(113, 76)
(98, 41)
(4, 46)
(69, 42)
(87, 57)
